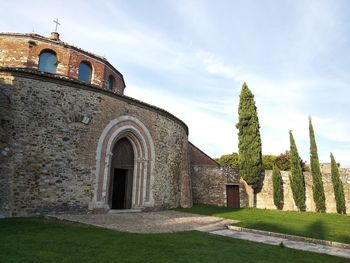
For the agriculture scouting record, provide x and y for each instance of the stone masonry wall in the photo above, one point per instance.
(49, 134)
(209, 185)
(265, 197)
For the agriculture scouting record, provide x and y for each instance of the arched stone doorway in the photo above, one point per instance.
(124, 134)
(121, 175)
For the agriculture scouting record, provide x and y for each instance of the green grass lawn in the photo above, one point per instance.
(41, 240)
(332, 227)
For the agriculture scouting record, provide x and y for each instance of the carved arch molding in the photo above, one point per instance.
(136, 132)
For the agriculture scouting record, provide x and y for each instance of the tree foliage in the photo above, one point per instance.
(338, 187)
(229, 160)
(277, 187)
(233, 160)
(296, 176)
(317, 184)
(249, 145)
(283, 162)
(268, 161)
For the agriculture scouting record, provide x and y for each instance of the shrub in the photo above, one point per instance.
(296, 176)
(338, 187)
(277, 187)
(317, 184)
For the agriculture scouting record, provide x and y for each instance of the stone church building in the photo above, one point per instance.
(71, 141)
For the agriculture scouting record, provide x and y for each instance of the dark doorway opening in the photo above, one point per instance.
(121, 180)
(232, 195)
(119, 188)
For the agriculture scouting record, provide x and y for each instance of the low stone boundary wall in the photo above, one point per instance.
(209, 185)
(264, 199)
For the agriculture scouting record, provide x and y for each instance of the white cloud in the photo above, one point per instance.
(332, 129)
(216, 135)
(340, 156)
(214, 65)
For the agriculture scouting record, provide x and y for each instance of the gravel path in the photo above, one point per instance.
(151, 222)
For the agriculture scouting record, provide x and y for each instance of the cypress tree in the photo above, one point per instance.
(277, 187)
(317, 184)
(338, 187)
(250, 158)
(296, 176)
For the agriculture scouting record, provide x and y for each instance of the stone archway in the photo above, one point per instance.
(135, 132)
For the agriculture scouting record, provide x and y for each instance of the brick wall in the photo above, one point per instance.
(23, 50)
(198, 157)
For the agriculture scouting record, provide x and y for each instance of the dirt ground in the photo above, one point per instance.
(150, 222)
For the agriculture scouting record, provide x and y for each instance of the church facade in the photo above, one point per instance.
(72, 142)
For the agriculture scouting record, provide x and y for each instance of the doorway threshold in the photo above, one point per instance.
(119, 211)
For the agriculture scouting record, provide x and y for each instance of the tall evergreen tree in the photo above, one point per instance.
(296, 176)
(277, 187)
(250, 158)
(317, 184)
(338, 188)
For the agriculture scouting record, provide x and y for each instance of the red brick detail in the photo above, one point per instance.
(198, 157)
(23, 51)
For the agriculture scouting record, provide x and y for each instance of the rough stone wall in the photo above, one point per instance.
(209, 185)
(48, 156)
(265, 197)
(209, 180)
(5, 134)
(24, 51)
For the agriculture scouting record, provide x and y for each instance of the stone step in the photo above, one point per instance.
(119, 211)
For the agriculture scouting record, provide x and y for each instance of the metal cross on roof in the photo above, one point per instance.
(57, 24)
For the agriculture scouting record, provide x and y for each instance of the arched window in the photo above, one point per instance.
(85, 72)
(48, 61)
(110, 82)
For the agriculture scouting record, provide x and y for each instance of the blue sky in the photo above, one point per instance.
(192, 57)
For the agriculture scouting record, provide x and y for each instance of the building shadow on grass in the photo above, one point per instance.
(317, 230)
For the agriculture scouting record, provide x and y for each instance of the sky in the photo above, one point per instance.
(192, 57)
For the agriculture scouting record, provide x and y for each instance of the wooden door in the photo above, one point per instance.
(232, 195)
